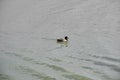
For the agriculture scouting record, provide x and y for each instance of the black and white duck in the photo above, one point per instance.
(61, 40)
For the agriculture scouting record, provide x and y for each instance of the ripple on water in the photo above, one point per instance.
(111, 59)
(75, 77)
(6, 77)
(34, 73)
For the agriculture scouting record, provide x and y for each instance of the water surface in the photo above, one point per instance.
(28, 33)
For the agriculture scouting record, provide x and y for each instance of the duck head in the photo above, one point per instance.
(66, 38)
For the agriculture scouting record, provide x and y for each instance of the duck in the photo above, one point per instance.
(61, 40)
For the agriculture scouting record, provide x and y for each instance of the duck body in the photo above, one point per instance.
(62, 40)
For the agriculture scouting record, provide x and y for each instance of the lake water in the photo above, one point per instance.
(28, 33)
